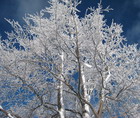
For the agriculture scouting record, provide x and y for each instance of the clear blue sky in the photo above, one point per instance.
(126, 12)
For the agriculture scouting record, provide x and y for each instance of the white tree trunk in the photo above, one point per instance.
(61, 110)
(60, 92)
(100, 110)
(105, 82)
(86, 108)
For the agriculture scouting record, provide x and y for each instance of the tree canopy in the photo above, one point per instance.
(64, 66)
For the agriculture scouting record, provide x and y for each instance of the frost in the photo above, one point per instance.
(69, 66)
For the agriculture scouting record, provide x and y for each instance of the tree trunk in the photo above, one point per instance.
(60, 92)
(85, 107)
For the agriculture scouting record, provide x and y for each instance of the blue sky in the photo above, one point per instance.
(125, 12)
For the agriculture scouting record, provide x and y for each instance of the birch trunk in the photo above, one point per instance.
(60, 92)
(100, 110)
(86, 108)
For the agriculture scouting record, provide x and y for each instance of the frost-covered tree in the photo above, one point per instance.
(64, 66)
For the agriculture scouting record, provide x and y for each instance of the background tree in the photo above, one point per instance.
(63, 66)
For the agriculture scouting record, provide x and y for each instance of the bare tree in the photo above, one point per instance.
(63, 66)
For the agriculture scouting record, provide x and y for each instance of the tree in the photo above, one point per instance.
(63, 66)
